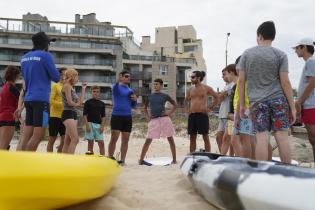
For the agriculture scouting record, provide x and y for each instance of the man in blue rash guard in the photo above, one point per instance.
(124, 100)
(38, 70)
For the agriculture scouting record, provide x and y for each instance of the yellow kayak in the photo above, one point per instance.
(31, 181)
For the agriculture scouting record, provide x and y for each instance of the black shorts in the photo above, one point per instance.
(56, 126)
(198, 123)
(69, 114)
(7, 123)
(121, 123)
(37, 113)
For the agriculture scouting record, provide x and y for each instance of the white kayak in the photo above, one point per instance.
(238, 183)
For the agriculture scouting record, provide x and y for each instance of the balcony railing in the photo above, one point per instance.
(62, 43)
(59, 27)
(159, 58)
(17, 58)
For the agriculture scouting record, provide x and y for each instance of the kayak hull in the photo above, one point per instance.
(239, 183)
(48, 181)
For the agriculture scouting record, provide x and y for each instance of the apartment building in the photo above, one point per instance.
(89, 46)
(100, 50)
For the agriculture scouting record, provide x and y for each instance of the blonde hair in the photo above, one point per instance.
(70, 75)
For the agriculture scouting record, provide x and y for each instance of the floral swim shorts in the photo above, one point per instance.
(272, 114)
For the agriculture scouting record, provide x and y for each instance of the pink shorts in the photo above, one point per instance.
(160, 127)
(308, 116)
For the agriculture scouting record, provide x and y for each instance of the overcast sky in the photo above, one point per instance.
(212, 19)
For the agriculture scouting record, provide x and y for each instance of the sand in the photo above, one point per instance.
(160, 187)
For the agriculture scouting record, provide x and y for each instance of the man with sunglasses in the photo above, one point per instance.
(124, 100)
(305, 105)
(198, 120)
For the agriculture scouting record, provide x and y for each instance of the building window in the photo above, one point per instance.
(163, 69)
(165, 85)
(190, 48)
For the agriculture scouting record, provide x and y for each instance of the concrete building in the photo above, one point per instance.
(180, 42)
(100, 50)
(147, 65)
(89, 46)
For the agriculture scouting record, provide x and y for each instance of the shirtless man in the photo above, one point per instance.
(198, 121)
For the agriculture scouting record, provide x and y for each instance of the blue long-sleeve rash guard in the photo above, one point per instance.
(122, 101)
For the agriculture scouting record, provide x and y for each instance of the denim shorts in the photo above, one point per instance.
(245, 127)
(271, 115)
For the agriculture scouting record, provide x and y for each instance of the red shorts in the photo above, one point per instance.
(308, 116)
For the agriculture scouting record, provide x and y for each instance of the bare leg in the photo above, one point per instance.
(193, 144)
(235, 141)
(124, 145)
(173, 149)
(206, 140)
(311, 136)
(144, 150)
(50, 145)
(225, 145)
(261, 151)
(253, 146)
(38, 135)
(6, 135)
(246, 146)
(231, 152)
(19, 145)
(269, 152)
(71, 127)
(27, 133)
(62, 141)
(101, 146)
(112, 143)
(90, 145)
(66, 143)
(219, 139)
(284, 146)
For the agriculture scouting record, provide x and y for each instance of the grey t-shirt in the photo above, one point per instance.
(262, 66)
(308, 71)
(74, 97)
(225, 104)
(157, 101)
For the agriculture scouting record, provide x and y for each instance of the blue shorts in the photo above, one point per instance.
(95, 132)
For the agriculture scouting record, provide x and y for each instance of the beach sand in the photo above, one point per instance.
(160, 187)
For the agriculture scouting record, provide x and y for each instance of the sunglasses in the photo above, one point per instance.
(126, 76)
(192, 77)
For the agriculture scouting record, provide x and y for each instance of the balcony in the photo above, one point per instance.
(64, 28)
(61, 44)
(100, 62)
(136, 75)
(65, 61)
(147, 75)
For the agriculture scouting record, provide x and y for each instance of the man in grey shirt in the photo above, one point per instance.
(305, 105)
(160, 124)
(265, 69)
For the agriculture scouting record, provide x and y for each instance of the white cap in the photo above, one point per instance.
(305, 41)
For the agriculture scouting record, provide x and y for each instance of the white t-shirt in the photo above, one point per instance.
(308, 71)
(224, 107)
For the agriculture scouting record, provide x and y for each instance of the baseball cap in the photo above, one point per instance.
(304, 41)
(41, 39)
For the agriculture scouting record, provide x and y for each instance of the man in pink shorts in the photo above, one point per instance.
(305, 105)
(160, 124)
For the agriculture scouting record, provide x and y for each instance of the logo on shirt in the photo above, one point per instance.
(33, 58)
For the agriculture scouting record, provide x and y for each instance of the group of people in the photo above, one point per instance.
(256, 102)
(258, 99)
